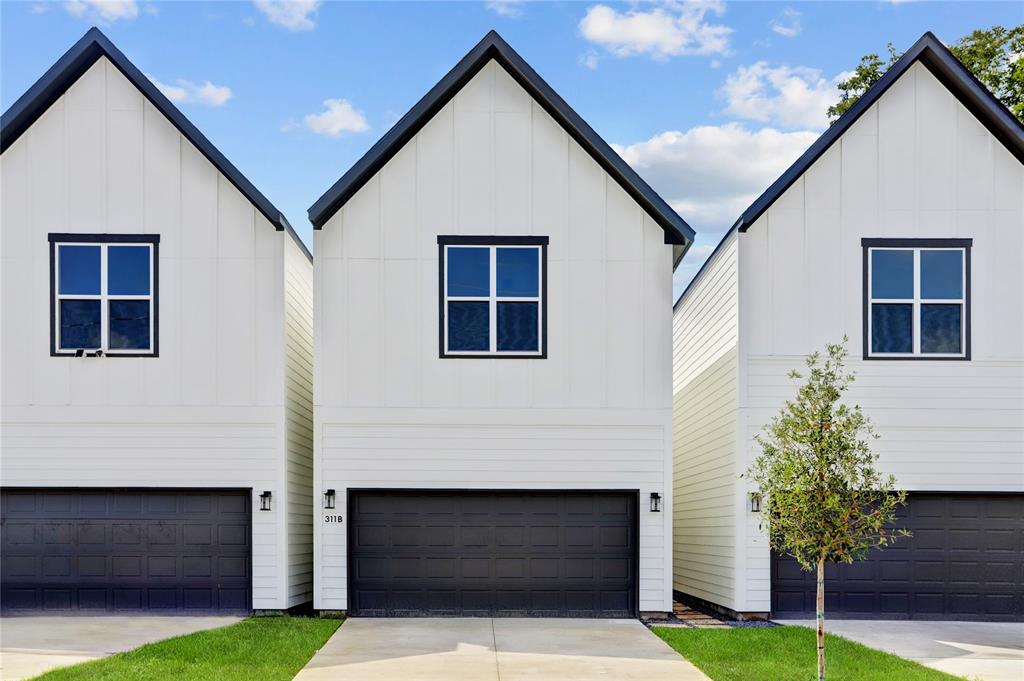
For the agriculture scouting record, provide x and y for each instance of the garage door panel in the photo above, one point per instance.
(125, 550)
(492, 553)
(893, 603)
(964, 561)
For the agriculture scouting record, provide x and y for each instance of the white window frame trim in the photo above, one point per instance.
(916, 302)
(493, 299)
(104, 297)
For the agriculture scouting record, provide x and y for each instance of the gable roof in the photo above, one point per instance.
(494, 47)
(937, 58)
(75, 62)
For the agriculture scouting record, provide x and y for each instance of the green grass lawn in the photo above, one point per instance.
(788, 654)
(264, 648)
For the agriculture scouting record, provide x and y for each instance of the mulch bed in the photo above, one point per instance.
(688, 617)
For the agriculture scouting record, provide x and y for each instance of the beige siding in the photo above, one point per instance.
(916, 164)
(705, 379)
(298, 305)
(493, 162)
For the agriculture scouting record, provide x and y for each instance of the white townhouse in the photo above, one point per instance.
(156, 359)
(492, 400)
(902, 228)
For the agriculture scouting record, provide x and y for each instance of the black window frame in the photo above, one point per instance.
(915, 243)
(492, 241)
(152, 239)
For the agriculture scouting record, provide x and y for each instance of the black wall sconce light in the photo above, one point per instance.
(655, 502)
(265, 500)
(329, 499)
(755, 502)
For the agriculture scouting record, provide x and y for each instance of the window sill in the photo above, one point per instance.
(543, 355)
(915, 358)
(105, 355)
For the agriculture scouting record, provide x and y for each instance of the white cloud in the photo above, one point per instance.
(187, 92)
(295, 15)
(338, 117)
(788, 23)
(590, 60)
(710, 174)
(103, 11)
(506, 8)
(701, 250)
(666, 30)
(790, 96)
(39, 7)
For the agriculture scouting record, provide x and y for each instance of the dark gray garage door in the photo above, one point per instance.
(125, 550)
(493, 553)
(965, 561)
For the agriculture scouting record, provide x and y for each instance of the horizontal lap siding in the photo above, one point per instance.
(704, 423)
(298, 292)
(594, 414)
(206, 448)
(917, 164)
(496, 450)
(956, 429)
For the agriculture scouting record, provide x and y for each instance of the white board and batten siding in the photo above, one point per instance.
(917, 164)
(389, 413)
(209, 411)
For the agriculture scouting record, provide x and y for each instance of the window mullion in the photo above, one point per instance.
(916, 303)
(493, 303)
(104, 304)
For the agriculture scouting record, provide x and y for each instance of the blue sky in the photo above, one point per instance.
(710, 101)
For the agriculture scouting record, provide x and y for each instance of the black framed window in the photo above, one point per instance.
(492, 296)
(917, 298)
(104, 294)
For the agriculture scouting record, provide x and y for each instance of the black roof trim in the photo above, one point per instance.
(75, 62)
(494, 47)
(937, 58)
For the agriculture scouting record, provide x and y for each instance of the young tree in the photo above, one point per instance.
(995, 56)
(822, 498)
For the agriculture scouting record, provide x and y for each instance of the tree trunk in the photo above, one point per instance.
(821, 619)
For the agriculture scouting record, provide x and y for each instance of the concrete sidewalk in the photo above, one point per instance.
(985, 651)
(483, 649)
(30, 646)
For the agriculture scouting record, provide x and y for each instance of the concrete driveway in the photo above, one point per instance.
(33, 645)
(483, 649)
(989, 651)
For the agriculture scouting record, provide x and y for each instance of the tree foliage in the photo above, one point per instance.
(995, 56)
(822, 496)
(868, 71)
